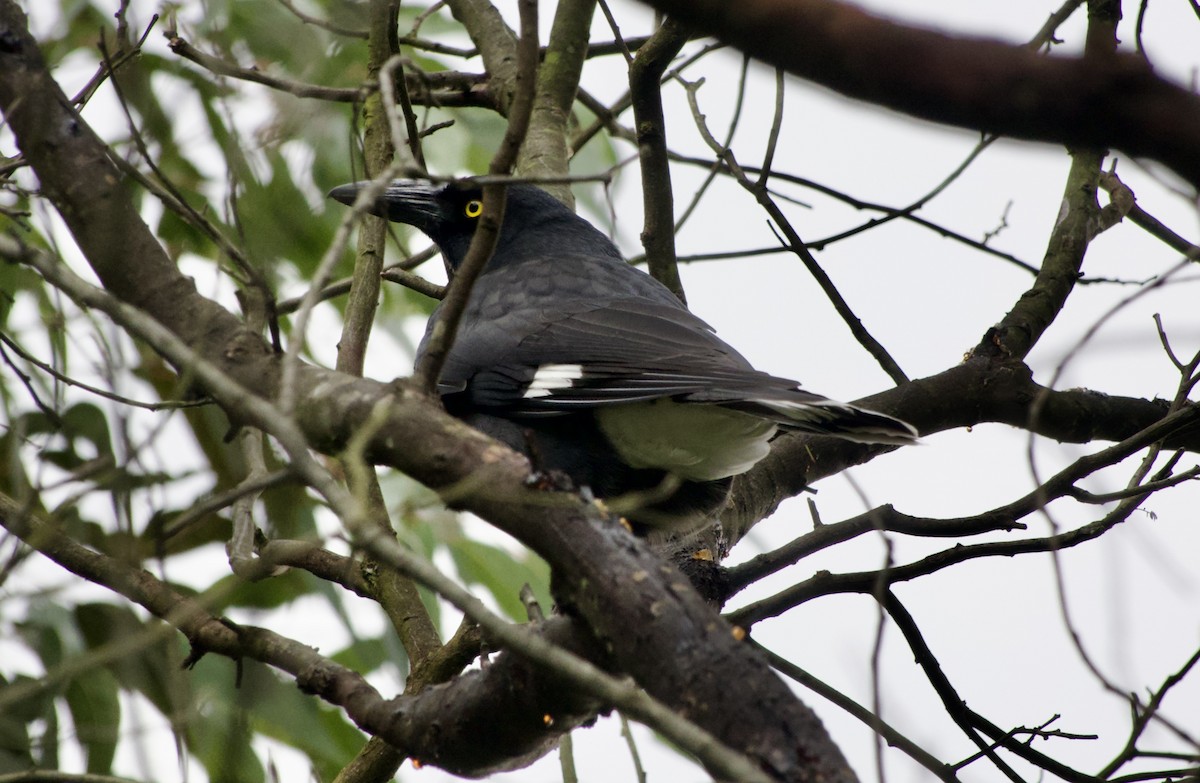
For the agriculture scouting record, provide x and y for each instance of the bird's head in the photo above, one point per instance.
(534, 221)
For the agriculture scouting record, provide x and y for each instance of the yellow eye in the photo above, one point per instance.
(473, 208)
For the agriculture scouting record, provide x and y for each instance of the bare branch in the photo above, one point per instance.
(1144, 714)
(796, 245)
(974, 83)
(645, 75)
(978, 390)
(324, 24)
(885, 518)
(895, 738)
(440, 89)
(968, 720)
(545, 148)
(497, 44)
(867, 582)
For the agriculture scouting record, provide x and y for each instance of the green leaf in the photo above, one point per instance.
(46, 744)
(364, 655)
(153, 670)
(218, 732)
(208, 529)
(269, 593)
(303, 722)
(83, 421)
(88, 421)
(502, 574)
(16, 751)
(95, 705)
(13, 279)
(50, 632)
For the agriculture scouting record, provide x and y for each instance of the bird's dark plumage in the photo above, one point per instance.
(589, 366)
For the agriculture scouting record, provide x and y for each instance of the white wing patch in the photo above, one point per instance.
(550, 377)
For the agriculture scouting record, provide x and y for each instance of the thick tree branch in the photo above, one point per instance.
(560, 665)
(971, 82)
(378, 151)
(497, 44)
(612, 582)
(1078, 222)
(545, 148)
(645, 75)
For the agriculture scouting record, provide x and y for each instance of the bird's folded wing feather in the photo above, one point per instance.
(610, 353)
(530, 363)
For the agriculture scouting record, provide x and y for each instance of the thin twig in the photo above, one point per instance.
(342, 286)
(1143, 715)
(1137, 486)
(776, 127)
(108, 395)
(438, 89)
(110, 66)
(1152, 225)
(860, 204)
(894, 738)
(566, 758)
(392, 88)
(181, 47)
(735, 119)
(240, 548)
(797, 246)
(956, 707)
(214, 503)
(253, 275)
(324, 24)
(638, 770)
(916, 205)
(618, 39)
(1045, 36)
(415, 283)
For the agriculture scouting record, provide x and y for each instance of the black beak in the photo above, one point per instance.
(403, 201)
(346, 193)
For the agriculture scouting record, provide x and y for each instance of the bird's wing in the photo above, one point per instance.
(535, 357)
(603, 353)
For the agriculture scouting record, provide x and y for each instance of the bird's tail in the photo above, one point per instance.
(839, 419)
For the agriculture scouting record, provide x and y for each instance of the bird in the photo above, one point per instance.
(596, 371)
